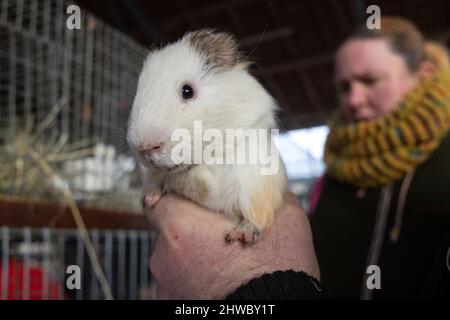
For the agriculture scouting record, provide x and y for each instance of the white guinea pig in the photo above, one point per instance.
(202, 77)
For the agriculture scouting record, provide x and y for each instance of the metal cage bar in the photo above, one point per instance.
(52, 251)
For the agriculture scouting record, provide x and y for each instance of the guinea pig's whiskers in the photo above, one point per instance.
(118, 134)
(183, 169)
(103, 123)
(258, 42)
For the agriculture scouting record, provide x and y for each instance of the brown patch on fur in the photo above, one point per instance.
(219, 48)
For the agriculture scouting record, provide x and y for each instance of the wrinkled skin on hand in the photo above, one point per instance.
(192, 260)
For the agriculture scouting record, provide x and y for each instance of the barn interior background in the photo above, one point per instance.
(293, 43)
(69, 190)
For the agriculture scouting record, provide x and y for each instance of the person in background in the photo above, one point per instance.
(385, 198)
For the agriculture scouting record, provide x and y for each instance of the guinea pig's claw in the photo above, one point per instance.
(151, 199)
(246, 233)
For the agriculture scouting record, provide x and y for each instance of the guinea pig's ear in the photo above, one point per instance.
(219, 48)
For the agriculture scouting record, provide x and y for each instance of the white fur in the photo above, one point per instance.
(226, 98)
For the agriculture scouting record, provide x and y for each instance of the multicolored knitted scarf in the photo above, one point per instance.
(379, 152)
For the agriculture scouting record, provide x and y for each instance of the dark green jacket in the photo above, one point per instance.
(418, 265)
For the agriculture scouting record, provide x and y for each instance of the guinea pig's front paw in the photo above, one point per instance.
(245, 232)
(151, 198)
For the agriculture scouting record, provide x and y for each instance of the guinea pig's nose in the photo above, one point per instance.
(150, 149)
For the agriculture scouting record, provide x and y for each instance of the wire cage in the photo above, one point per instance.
(35, 264)
(65, 96)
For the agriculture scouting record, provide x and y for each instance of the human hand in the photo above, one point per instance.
(192, 260)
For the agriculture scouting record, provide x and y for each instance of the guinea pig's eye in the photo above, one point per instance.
(187, 92)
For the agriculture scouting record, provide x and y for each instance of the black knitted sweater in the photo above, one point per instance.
(280, 285)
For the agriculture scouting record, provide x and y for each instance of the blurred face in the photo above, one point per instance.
(371, 78)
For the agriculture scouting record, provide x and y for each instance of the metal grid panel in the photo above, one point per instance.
(33, 263)
(64, 92)
(92, 72)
